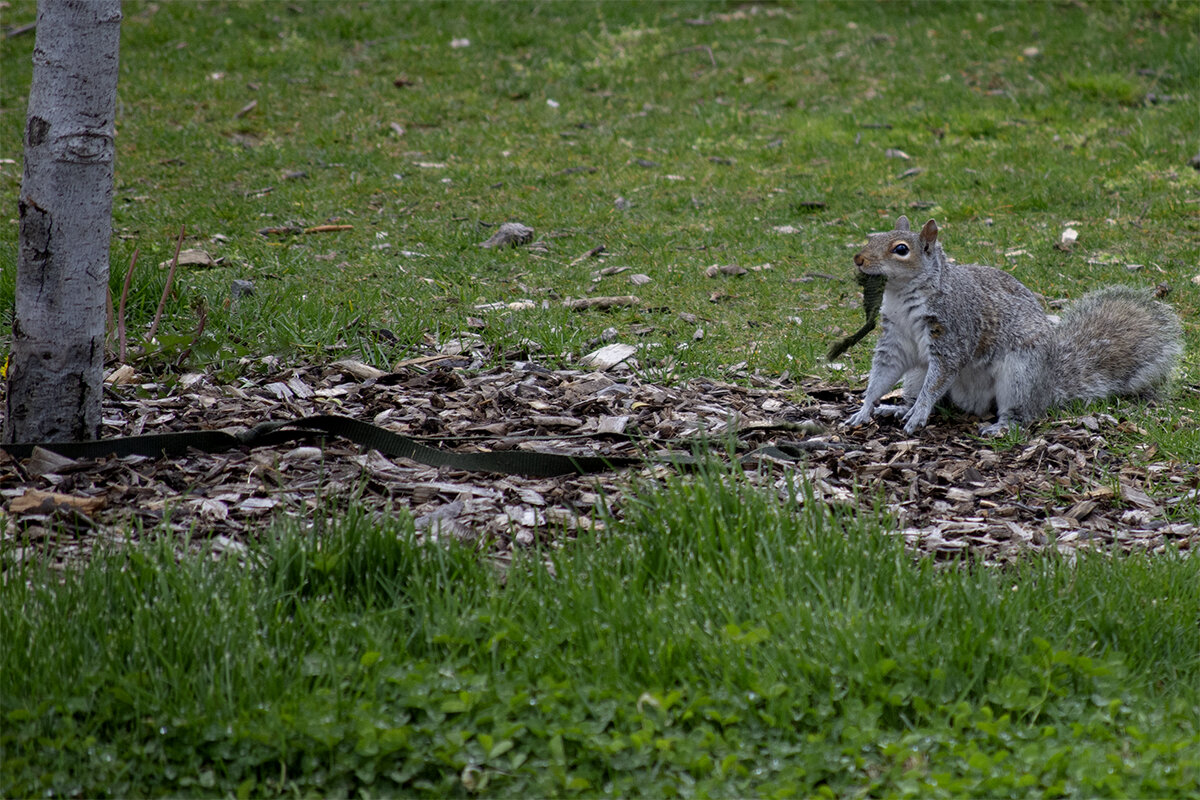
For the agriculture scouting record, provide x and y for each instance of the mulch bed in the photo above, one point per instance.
(948, 492)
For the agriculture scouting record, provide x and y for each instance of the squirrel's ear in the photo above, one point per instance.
(902, 224)
(929, 232)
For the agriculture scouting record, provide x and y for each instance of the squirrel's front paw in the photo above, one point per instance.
(861, 417)
(915, 419)
(997, 428)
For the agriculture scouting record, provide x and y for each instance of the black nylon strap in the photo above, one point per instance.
(506, 462)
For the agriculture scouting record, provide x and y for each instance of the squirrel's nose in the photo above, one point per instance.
(858, 259)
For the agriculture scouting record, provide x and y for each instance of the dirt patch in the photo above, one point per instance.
(947, 491)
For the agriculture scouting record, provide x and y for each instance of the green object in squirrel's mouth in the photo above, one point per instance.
(872, 286)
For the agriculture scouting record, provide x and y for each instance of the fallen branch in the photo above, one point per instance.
(595, 251)
(328, 228)
(588, 303)
(281, 230)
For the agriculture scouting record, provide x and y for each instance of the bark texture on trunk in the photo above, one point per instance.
(55, 378)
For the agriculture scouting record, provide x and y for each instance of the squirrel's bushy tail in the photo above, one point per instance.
(1116, 341)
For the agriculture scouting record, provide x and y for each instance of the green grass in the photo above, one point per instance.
(717, 642)
(1013, 146)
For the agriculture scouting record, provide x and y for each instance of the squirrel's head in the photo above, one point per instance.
(899, 254)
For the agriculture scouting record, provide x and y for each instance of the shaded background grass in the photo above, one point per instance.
(1021, 120)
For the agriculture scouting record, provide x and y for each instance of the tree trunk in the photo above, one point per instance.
(55, 378)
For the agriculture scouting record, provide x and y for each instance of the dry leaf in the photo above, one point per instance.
(121, 375)
(192, 258)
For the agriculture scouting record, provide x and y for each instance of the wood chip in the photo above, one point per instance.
(358, 369)
(1082, 510)
(510, 234)
(545, 421)
(724, 269)
(612, 424)
(608, 356)
(47, 462)
(589, 303)
(34, 501)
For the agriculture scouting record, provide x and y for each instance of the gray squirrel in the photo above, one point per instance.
(979, 335)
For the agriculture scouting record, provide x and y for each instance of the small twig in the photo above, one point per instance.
(703, 47)
(328, 228)
(167, 289)
(595, 251)
(408, 362)
(588, 303)
(13, 33)
(121, 307)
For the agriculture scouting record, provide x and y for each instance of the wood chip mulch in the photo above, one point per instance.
(947, 492)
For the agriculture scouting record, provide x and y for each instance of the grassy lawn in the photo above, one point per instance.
(715, 641)
(548, 122)
(715, 644)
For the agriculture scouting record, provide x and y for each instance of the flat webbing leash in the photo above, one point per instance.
(507, 462)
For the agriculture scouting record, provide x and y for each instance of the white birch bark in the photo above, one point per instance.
(55, 378)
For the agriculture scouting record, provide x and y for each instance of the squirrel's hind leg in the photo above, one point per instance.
(999, 428)
(975, 390)
(1020, 395)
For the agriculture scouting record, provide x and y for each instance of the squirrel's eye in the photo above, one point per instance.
(900, 249)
